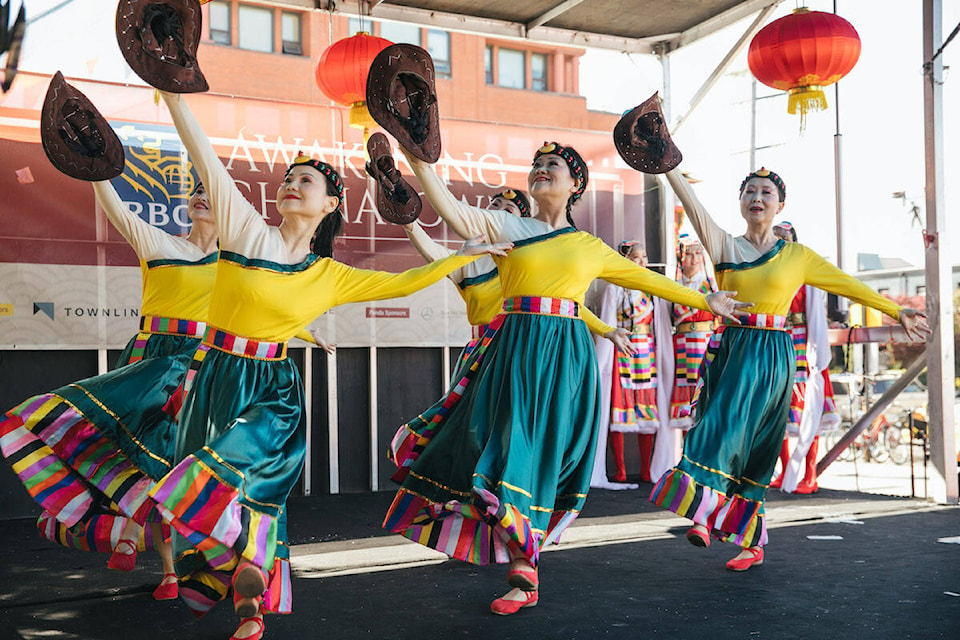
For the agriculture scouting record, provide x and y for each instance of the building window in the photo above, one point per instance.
(538, 71)
(511, 69)
(397, 32)
(488, 66)
(220, 22)
(921, 289)
(255, 28)
(438, 46)
(884, 291)
(291, 33)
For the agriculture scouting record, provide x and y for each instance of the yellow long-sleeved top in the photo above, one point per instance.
(257, 294)
(558, 263)
(177, 275)
(770, 280)
(478, 283)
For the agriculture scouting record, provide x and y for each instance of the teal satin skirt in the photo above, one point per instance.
(508, 467)
(730, 453)
(240, 447)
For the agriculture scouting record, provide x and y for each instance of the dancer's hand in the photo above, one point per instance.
(477, 246)
(621, 340)
(329, 347)
(914, 323)
(722, 303)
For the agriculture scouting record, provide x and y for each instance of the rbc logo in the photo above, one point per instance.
(157, 180)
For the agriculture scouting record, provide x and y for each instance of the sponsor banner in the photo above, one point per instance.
(58, 251)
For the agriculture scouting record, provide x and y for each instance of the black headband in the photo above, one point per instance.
(572, 158)
(763, 172)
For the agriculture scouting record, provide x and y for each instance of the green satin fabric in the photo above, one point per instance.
(248, 412)
(525, 429)
(741, 412)
(127, 406)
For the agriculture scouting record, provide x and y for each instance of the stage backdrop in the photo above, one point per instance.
(69, 280)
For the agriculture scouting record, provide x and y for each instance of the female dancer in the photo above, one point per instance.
(510, 464)
(241, 442)
(479, 285)
(631, 380)
(730, 453)
(83, 446)
(812, 409)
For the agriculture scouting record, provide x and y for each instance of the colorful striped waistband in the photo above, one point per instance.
(703, 326)
(173, 326)
(543, 306)
(477, 330)
(245, 347)
(759, 321)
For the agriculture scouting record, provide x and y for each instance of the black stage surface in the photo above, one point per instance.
(839, 565)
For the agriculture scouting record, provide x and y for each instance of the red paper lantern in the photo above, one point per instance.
(803, 52)
(342, 73)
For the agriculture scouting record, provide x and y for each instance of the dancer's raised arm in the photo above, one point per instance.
(466, 221)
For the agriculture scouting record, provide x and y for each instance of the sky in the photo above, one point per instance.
(881, 126)
(881, 119)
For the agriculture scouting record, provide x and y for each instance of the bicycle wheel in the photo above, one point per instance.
(894, 440)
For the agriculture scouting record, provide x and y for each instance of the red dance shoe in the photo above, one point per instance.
(256, 635)
(698, 538)
(742, 564)
(121, 561)
(525, 579)
(504, 607)
(249, 582)
(167, 590)
(777, 482)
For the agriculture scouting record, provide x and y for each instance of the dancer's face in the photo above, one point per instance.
(198, 207)
(551, 175)
(692, 260)
(638, 255)
(760, 201)
(502, 204)
(304, 192)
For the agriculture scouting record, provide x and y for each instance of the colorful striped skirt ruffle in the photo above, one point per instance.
(99, 532)
(64, 459)
(206, 511)
(731, 451)
(508, 464)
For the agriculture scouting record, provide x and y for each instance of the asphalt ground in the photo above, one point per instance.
(839, 564)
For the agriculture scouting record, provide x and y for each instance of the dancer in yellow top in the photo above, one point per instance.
(730, 453)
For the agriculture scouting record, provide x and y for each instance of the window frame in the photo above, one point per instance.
(229, 32)
(295, 46)
(492, 73)
(260, 9)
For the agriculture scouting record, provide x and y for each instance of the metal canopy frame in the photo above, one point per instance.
(557, 22)
(537, 21)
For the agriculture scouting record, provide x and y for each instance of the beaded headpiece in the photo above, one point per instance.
(626, 246)
(518, 199)
(577, 167)
(763, 172)
(328, 172)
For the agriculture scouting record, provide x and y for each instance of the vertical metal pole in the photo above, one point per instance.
(667, 216)
(333, 422)
(837, 169)
(308, 411)
(753, 126)
(445, 353)
(374, 436)
(940, 356)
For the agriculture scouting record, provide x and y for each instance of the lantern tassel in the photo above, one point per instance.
(804, 100)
